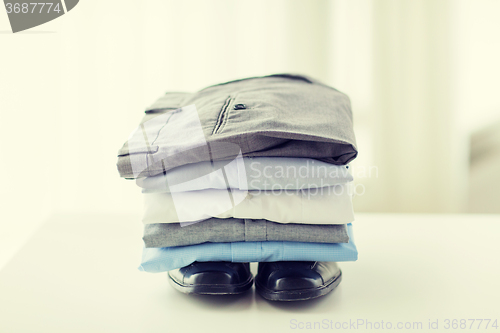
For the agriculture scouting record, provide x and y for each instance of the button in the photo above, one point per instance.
(239, 106)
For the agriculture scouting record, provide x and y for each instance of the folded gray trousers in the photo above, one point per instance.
(217, 230)
(280, 115)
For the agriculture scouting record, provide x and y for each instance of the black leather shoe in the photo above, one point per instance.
(212, 278)
(296, 280)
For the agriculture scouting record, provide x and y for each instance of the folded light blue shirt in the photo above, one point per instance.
(155, 260)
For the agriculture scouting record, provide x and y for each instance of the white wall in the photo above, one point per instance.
(477, 52)
(29, 103)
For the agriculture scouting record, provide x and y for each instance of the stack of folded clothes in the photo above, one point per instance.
(253, 170)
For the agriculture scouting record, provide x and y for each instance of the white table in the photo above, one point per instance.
(79, 274)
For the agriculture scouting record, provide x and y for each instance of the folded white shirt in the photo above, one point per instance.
(326, 205)
(249, 173)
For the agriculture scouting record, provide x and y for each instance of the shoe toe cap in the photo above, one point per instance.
(294, 283)
(211, 273)
(282, 276)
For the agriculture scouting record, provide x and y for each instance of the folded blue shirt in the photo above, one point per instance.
(155, 260)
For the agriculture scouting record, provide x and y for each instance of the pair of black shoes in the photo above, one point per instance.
(276, 281)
